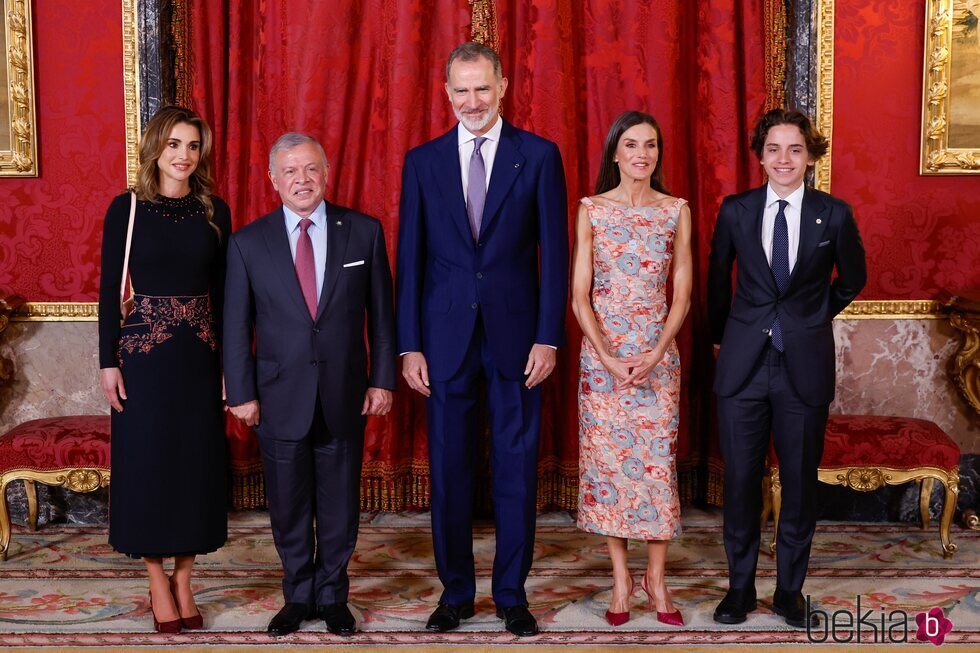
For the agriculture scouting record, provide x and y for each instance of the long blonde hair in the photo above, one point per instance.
(151, 147)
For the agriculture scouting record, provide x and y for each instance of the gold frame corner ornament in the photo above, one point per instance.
(935, 155)
(21, 159)
(131, 88)
(825, 90)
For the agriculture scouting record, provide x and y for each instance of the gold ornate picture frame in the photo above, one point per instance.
(18, 123)
(951, 89)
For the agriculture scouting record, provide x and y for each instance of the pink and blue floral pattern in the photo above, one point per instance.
(628, 438)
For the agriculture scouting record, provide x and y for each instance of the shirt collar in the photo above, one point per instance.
(795, 198)
(465, 136)
(319, 217)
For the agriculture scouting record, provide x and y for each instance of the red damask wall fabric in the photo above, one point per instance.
(366, 78)
(51, 226)
(922, 233)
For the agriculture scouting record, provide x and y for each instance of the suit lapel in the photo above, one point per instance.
(751, 220)
(508, 163)
(813, 223)
(338, 234)
(450, 181)
(277, 241)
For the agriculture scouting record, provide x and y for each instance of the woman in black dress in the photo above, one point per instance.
(160, 370)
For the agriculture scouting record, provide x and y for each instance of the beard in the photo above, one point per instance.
(476, 123)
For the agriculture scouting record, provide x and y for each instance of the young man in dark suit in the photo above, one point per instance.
(775, 347)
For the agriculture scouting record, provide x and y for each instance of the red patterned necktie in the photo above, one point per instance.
(305, 267)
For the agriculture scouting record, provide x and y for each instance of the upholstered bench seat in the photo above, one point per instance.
(69, 451)
(864, 452)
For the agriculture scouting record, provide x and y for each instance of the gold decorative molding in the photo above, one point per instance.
(825, 90)
(21, 159)
(131, 89)
(774, 13)
(966, 365)
(893, 309)
(936, 157)
(483, 24)
(57, 312)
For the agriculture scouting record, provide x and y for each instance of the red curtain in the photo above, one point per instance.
(366, 78)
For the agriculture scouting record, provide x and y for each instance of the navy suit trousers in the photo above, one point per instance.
(515, 417)
(767, 403)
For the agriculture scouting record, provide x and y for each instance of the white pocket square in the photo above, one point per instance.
(354, 264)
(823, 244)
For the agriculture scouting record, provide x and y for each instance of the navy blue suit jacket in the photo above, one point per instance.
(829, 241)
(515, 277)
(295, 356)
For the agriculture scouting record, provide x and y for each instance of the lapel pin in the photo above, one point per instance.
(340, 223)
(517, 165)
(819, 221)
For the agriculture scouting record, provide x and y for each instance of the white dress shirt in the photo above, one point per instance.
(488, 150)
(792, 213)
(318, 235)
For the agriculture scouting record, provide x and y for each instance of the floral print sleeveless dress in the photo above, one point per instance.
(628, 438)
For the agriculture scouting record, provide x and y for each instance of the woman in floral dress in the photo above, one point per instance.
(628, 237)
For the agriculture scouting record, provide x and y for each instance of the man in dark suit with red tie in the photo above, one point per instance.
(775, 371)
(304, 279)
(482, 286)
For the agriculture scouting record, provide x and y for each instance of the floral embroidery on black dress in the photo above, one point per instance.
(163, 314)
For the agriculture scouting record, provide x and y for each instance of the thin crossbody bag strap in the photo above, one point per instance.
(129, 245)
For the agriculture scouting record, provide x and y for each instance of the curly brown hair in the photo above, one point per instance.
(816, 143)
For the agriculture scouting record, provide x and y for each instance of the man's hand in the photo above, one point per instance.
(113, 389)
(416, 372)
(540, 363)
(248, 412)
(377, 401)
(716, 349)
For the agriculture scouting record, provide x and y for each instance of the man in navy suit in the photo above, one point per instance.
(775, 371)
(303, 279)
(482, 282)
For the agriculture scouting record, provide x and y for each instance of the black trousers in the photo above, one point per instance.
(768, 404)
(313, 488)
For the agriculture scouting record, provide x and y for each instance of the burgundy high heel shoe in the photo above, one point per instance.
(670, 618)
(169, 627)
(189, 623)
(619, 618)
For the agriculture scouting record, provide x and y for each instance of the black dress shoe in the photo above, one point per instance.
(518, 620)
(736, 604)
(289, 619)
(792, 607)
(338, 618)
(446, 617)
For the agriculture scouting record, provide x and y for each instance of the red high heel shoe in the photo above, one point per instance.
(170, 627)
(670, 618)
(619, 618)
(189, 623)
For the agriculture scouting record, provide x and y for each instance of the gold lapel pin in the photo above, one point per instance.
(819, 221)
(517, 165)
(340, 223)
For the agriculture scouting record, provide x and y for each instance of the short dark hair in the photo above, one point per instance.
(609, 176)
(471, 52)
(816, 143)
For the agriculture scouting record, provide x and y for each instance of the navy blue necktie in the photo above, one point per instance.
(780, 267)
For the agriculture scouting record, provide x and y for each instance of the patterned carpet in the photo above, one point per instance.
(64, 587)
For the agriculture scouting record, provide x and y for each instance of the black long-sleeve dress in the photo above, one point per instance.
(168, 492)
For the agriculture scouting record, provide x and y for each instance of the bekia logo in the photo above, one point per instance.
(933, 626)
(843, 626)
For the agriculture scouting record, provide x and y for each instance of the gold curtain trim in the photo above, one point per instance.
(775, 53)
(483, 24)
(180, 32)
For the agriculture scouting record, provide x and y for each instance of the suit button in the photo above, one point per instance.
(313, 363)
(474, 305)
(479, 275)
(316, 330)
